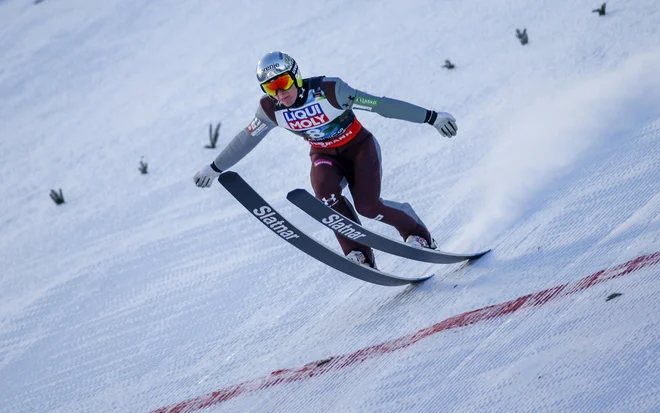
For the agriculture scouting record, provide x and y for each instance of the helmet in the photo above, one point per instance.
(275, 64)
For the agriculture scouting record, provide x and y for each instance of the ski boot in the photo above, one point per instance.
(358, 257)
(421, 242)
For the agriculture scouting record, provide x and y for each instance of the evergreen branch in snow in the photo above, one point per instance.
(213, 135)
(57, 197)
(522, 36)
(600, 11)
(143, 167)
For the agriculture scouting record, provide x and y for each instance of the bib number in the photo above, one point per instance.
(314, 134)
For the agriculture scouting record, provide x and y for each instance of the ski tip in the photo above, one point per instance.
(479, 254)
(421, 280)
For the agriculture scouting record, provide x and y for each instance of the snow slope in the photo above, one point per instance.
(144, 293)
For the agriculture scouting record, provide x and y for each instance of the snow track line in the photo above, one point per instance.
(317, 368)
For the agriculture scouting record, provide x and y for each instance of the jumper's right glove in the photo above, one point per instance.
(444, 123)
(205, 177)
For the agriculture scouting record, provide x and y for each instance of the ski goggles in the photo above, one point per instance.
(284, 82)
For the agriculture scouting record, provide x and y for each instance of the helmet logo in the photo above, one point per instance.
(270, 67)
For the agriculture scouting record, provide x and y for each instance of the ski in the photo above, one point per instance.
(268, 216)
(344, 226)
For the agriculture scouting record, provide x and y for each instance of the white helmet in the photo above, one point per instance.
(275, 64)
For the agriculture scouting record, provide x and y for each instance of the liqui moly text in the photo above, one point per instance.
(305, 118)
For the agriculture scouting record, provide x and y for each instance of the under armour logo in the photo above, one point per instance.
(330, 202)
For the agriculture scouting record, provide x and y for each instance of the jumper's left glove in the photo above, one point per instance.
(444, 123)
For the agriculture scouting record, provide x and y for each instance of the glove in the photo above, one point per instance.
(205, 177)
(445, 124)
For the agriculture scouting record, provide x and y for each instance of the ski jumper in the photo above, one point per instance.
(343, 152)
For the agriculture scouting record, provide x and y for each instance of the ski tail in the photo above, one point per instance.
(343, 225)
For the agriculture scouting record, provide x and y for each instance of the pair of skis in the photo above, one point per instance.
(268, 216)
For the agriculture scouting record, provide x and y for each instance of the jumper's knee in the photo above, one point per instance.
(369, 210)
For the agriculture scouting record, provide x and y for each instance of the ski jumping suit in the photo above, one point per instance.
(343, 152)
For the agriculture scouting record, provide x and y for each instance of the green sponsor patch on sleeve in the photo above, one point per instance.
(363, 101)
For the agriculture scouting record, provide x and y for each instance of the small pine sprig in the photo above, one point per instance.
(448, 65)
(143, 166)
(600, 11)
(57, 197)
(213, 135)
(522, 36)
